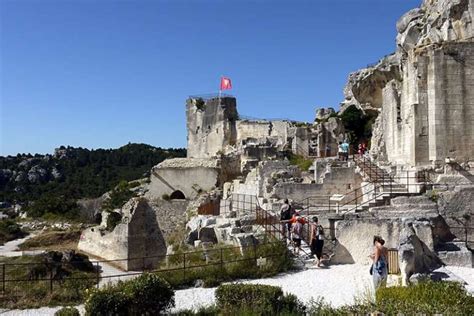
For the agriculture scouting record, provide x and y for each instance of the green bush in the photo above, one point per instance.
(149, 295)
(118, 196)
(67, 311)
(428, 297)
(113, 219)
(146, 295)
(200, 104)
(107, 302)
(300, 161)
(10, 230)
(259, 299)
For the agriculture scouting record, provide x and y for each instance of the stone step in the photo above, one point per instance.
(455, 254)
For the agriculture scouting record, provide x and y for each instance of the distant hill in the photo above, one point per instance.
(73, 173)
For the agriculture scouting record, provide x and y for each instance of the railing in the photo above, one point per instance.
(210, 96)
(184, 263)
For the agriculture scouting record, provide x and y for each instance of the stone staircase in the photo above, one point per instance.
(455, 253)
(379, 190)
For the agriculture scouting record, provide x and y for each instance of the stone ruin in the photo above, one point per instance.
(424, 106)
(136, 235)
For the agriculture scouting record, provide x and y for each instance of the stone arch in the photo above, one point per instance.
(177, 195)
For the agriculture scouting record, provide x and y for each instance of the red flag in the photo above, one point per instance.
(226, 84)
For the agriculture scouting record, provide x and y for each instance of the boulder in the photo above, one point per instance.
(244, 241)
(248, 220)
(191, 237)
(207, 234)
(414, 255)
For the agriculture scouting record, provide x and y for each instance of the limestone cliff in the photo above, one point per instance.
(423, 91)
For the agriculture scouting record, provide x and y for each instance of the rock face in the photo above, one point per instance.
(421, 91)
(137, 239)
(414, 255)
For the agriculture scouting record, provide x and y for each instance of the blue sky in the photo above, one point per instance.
(100, 74)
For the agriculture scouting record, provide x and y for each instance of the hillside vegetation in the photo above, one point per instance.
(53, 183)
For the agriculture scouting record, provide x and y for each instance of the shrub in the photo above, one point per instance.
(146, 295)
(107, 301)
(428, 297)
(149, 295)
(433, 195)
(113, 219)
(259, 299)
(300, 161)
(118, 196)
(10, 230)
(166, 197)
(200, 104)
(67, 311)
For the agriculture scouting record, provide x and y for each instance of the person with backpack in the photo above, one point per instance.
(286, 213)
(317, 240)
(297, 232)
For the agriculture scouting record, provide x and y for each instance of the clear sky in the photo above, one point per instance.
(100, 74)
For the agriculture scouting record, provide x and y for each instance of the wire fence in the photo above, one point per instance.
(20, 277)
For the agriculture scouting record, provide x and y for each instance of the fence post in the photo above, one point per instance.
(3, 278)
(51, 280)
(255, 252)
(222, 261)
(97, 274)
(184, 266)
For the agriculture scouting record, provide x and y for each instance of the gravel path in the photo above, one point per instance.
(338, 285)
(10, 249)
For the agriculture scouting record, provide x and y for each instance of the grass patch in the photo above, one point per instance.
(34, 291)
(300, 161)
(53, 240)
(206, 265)
(10, 230)
(428, 297)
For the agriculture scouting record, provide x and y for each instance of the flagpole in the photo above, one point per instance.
(220, 91)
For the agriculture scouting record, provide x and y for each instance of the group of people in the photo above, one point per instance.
(343, 150)
(292, 228)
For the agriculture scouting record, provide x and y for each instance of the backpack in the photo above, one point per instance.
(320, 232)
(297, 229)
(285, 215)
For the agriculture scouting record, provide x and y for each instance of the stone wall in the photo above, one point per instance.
(190, 176)
(170, 215)
(138, 235)
(339, 180)
(211, 126)
(428, 116)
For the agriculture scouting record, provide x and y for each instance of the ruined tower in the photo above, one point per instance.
(211, 125)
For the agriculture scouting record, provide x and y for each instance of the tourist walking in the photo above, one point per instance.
(286, 213)
(317, 240)
(379, 269)
(345, 150)
(328, 151)
(297, 232)
(340, 152)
